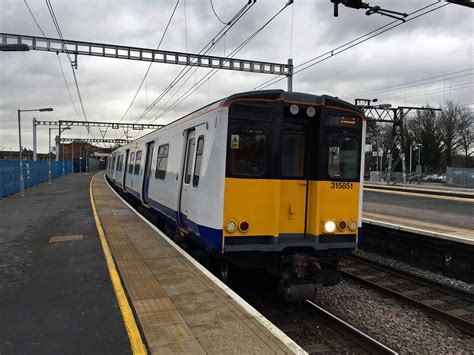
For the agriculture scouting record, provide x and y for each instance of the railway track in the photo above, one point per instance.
(365, 341)
(438, 300)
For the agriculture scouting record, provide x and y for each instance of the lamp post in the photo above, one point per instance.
(49, 157)
(22, 180)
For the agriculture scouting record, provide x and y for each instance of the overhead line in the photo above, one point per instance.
(151, 63)
(215, 13)
(352, 43)
(404, 85)
(60, 64)
(434, 91)
(216, 39)
(58, 29)
(213, 72)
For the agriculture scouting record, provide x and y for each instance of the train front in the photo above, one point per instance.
(292, 189)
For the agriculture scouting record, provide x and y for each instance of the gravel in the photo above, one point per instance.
(419, 272)
(399, 326)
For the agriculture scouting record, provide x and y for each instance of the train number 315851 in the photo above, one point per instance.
(341, 185)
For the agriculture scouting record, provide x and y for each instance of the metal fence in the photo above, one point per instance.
(460, 177)
(34, 173)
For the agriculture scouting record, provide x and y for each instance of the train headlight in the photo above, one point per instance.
(329, 227)
(353, 226)
(310, 111)
(230, 226)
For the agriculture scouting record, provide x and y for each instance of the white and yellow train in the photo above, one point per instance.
(262, 179)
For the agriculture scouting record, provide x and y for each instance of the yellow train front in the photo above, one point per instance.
(292, 196)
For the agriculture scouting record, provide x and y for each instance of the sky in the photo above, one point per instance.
(427, 60)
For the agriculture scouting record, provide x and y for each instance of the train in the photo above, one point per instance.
(261, 180)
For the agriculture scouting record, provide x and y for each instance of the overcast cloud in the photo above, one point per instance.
(435, 44)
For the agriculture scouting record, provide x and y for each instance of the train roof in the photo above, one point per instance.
(266, 95)
(292, 96)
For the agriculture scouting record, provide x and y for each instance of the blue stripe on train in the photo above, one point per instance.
(359, 237)
(207, 237)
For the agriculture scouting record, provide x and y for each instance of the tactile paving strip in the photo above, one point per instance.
(179, 309)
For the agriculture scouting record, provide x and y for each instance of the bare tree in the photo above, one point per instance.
(466, 133)
(424, 129)
(450, 122)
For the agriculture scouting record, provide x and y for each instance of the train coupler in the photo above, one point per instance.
(299, 277)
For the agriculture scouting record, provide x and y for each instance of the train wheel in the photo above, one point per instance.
(225, 272)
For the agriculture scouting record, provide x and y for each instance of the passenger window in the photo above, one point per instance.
(189, 162)
(343, 156)
(113, 164)
(137, 162)
(247, 152)
(198, 163)
(121, 163)
(162, 161)
(293, 151)
(132, 162)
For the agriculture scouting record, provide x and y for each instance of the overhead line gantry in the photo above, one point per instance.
(11, 42)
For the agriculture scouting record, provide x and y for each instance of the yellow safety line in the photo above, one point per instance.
(136, 342)
(439, 197)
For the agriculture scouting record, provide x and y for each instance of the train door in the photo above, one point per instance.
(125, 169)
(186, 187)
(294, 183)
(147, 175)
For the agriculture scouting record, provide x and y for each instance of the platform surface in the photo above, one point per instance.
(425, 187)
(179, 309)
(55, 292)
(443, 217)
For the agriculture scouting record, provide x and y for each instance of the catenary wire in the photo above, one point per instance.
(351, 44)
(151, 63)
(205, 49)
(421, 81)
(58, 29)
(213, 72)
(215, 13)
(214, 41)
(59, 60)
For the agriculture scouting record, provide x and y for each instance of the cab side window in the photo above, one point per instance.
(132, 162)
(138, 158)
(189, 160)
(198, 163)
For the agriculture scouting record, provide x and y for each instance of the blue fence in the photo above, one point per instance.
(34, 173)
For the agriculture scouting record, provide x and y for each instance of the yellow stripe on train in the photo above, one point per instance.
(274, 207)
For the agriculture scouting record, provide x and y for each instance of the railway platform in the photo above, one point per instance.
(430, 230)
(179, 306)
(76, 279)
(425, 189)
(55, 291)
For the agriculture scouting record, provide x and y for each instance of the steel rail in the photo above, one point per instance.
(460, 323)
(454, 291)
(356, 335)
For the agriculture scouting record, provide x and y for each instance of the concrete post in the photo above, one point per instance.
(389, 170)
(22, 180)
(404, 169)
(49, 157)
(34, 138)
(72, 157)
